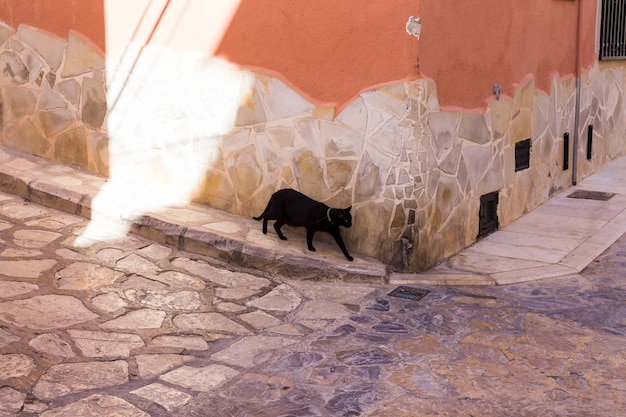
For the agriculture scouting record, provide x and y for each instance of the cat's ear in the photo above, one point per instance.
(349, 208)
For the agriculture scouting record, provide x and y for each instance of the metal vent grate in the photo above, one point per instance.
(522, 155)
(488, 214)
(409, 293)
(591, 195)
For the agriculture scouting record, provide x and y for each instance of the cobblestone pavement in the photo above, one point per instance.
(135, 328)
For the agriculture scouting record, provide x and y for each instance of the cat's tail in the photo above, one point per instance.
(262, 215)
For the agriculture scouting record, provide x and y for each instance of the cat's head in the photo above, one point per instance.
(342, 217)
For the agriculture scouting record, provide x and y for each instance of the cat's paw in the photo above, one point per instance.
(283, 238)
(311, 248)
(350, 258)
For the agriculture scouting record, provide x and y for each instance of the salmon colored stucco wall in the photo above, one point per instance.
(58, 17)
(328, 50)
(468, 46)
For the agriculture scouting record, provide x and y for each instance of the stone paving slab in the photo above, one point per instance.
(133, 327)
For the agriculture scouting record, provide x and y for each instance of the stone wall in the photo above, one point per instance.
(172, 123)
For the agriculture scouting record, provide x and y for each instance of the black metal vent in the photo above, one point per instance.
(409, 293)
(591, 195)
(488, 214)
(522, 155)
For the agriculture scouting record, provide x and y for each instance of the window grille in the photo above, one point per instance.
(613, 30)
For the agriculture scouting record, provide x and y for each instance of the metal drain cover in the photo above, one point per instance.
(591, 195)
(409, 293)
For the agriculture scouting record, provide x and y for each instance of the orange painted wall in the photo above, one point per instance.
(468, 46)
(329, 50)
(58, 17)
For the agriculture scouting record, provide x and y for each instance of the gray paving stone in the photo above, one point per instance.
(138, 265)
(21, 211)
(179, 301)
(199, 379)
(109, 302)
(137, 319)
(52, 344)
(26, 269)
(9, 289)
(247, 351)
(11, 401)
(168, 398)
(97, 406)
(69, 378)
(211, 322)
(260, 319)
(6, 338)
(221, 277)
(153, 365)
(86, 276)
(177, 279)
(15, 365)
(20, 253)
(322, 309)
(234, 293)
(103, 345)
(281, 298)
(34, 239)
(46, 312)
(184, 342)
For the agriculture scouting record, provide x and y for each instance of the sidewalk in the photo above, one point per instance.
(561, 237)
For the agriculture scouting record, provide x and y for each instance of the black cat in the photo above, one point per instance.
(295, 209)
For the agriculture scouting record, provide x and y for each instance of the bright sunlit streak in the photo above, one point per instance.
(168, 104)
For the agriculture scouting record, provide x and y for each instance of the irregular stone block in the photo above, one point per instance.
(49, 47)
(26, 269)
(11, 401)
(137, 319)
(18, 102)
(200, 379)
(81, 57)
(93, 103)
(71, 147)
(26, 138)
(211, 322)
(100, 344)
(55, 121)
(166, 397)
(281, 101)
(46, 312)
(473, 127)
(52, 344)
(281, 298)
(96, 406)
(85, 276)
(443, 127)
(246, 352)
(15, 365)
(12, 69)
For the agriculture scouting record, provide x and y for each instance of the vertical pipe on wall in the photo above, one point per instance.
(579, 58)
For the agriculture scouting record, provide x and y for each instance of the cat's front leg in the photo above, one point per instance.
(309, 238)
(341, 245)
